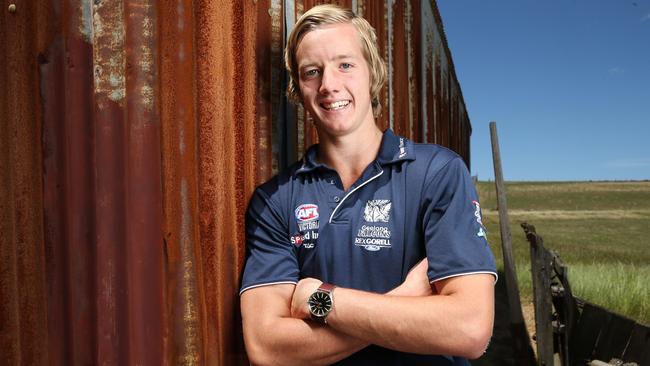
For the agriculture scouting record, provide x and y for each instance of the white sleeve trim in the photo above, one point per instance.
(496, 277)
(267, 284)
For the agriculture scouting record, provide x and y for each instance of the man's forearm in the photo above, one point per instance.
(288, 341)
(425, 325)
(451, 323)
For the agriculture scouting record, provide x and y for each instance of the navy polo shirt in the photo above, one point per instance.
(414, 200)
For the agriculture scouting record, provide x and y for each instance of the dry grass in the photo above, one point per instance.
(579, 187)
(601, 230)
(573, 214)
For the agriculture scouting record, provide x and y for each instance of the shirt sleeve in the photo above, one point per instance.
(455, 238)
(270, 257)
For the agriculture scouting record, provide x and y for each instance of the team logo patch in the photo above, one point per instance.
(307, 212)
(375, 237)
(477, 214)
(308, 224)
(377, 211)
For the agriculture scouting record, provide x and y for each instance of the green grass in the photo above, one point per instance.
(599, 229)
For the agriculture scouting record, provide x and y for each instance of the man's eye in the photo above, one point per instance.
(310, 73)
(346, 65)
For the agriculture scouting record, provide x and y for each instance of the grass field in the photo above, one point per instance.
(600, 229)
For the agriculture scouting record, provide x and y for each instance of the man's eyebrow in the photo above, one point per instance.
(343, 56)
(335, 58)
(306, 65)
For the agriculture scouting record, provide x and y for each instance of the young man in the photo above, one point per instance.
(370, 250)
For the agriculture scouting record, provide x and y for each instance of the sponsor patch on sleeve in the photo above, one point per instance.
(477, 213)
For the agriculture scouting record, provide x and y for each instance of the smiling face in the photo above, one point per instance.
(334, 80)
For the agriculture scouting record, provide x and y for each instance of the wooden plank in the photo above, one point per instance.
(638, 348)
(522, 347)
(585, 337)
(613, 338)
(566, 308)
(540, 264)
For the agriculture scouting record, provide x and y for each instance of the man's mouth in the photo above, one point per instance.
(335, 105)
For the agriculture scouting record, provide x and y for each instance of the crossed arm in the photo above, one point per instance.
(454, 317)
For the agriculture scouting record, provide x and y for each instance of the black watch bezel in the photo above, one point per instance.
(320, 304)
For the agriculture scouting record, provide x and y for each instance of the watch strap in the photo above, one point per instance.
(326, 287)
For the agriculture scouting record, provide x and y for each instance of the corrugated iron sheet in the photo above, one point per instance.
(132, 134)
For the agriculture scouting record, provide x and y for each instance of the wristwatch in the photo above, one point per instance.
(321, 303)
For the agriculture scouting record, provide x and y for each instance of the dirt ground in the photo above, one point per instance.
(529, 317)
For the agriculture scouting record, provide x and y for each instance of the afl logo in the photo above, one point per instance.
(307, 212)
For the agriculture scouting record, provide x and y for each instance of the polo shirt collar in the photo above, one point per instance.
(393, 149)
(310, 162)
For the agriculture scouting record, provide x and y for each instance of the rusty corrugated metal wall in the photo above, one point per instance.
(132, 134)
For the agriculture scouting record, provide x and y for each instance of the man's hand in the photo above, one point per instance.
(269, 331)
(304, 289)
(416, 282)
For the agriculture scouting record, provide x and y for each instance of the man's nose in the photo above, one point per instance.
(329, 82)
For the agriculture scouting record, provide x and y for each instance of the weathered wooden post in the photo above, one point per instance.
(522, 346)
(540, 267)
(565, 306)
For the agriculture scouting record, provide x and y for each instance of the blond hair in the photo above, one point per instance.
(333, 14)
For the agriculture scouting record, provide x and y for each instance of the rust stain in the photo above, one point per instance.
(108, 52)
(399, 108)
(388, 19)
(86, 21)
(144, 242)
(147, 94)
(186, 330)
(410, 66)
(264, 109)
(190, 306)
(303, 117)
(214, 104)
(146, 59)
(276, 93)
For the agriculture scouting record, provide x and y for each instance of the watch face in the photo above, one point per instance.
(320, 304)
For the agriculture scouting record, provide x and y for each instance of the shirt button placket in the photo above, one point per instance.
(335, 194)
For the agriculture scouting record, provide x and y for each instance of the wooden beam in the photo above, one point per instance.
(521, 344)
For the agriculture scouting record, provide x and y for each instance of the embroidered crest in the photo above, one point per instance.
(377, 211)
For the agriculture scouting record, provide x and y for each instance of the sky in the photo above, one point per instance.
(566, 81)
